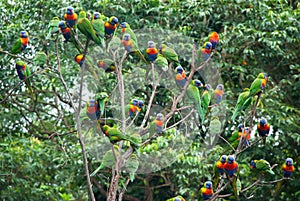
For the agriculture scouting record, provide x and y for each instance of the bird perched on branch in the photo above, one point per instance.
(151, 51)
(258, 85)
(180, 77)
(219, 169)
(214, 39)
(263, 129)
(110, 26)
(23, 73)
(288, 168)
(243, 103)
(169, 53)
(53, 27)
(261, 165)
(156, 126)
(67, 34)
(206, 51)
(70, 17)
(207, 190)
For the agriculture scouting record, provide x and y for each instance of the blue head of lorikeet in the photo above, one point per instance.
(159, 116)
(223, 159)
(150, 44)
(179, 69)
(70, 10)
(263, 122)
(113, 20)
(252, 164)
(198, 83)
(126, 37)
(123, 25)
(23, 34)
(289, 162)
(97, 15)
(140, 104)
(208, 184)
(207, 87)
(208, 45)
(240, 127)
(230, 159)
(62, 25)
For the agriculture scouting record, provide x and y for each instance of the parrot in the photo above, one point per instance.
(194, 94)
(180, 77)
(110, 26)
(151, 51)
(261, 165)
(70, 17)
(131, 46)
(23, 73)
(214, 39)
(156, 126)
(132, 165)
(20, 44)
(177, 198)
(231, 167)
(258, 85)
(101, 99)
(93, 109)
(108, 160)
(68, 35)
(140, 105)
(215, 127)
(79, 58)
(205, 101)
(245, 134)
(98, 26)
(40, 59)
(132, 108)
(169, 54)
(263, 129)
(207, 190)
(127, 30)
(242, 103)
(107, 64)
(161, 62)
(53, 27)
(219, 91)
(234, 139)
(115, 135)
(287, 170)
(206, 51)
(219, 169)
(86, 27)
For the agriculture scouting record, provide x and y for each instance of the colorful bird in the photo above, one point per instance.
(258, 85)
(110, 26)
(23, 73)
(219, 169)
(206, 51)
(242, 103)
(53, 27)
(79, 58)
(261, 165)
(288, 168)
(21, 43)
(169, 54)
(219, 91)
(214, 39)
(93, 109)
(125, 27)
(231, 166)
(151, 51)
(235, 137)
(156, 126)
(263, 129)
(98, 26)
(115, 135)
(180, 77)
(70, 17)
(131, 46)
(101, 99)
(245, 134)
(207, 190)
(67, 34)
(86, 27)
(140, 105)
(205, 101)
(194, 94)
(107, 64)
(132, 108)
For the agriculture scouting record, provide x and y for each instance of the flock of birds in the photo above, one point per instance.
(105, 32)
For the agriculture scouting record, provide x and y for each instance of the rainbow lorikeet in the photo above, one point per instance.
(263, 129)
(288, 168)
(20, 44)
(140, 105)
(177, 198)
(243, 103)
(258, 85)
(98, 26)
(67, 34)
(101, 99)
(156, 126)
(261, 166)
(86, 27)
(169, 54)
(23, 73)
(231, 166)
(151, 51)
(180, 77)
(107, 64)
(53, 27)
(245, 135)
(131, 46)
(205, 101)
(79, 58)
(219, 91)
(219, 169)
(93, 109)
(206, 51)
(194, 94)
(235, 137)
(110, 26)
(207, 190)
(132, 108)
(214, 39)
(115, 135)
(125, 27)
(70, 17)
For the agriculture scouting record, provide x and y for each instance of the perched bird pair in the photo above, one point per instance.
(135, 106)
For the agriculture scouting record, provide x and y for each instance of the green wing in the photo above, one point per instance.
(85, 27)
(132, 165)
(53, 27)
(98, 26)
(255, 87)
(17, 47)
(263, 165)
(205, 101)
(170, 54)
(243, 97)
(161, 62)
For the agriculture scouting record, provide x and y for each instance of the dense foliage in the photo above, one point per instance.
(41, 156)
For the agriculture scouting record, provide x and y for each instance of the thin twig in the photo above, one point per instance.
(227, 143)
